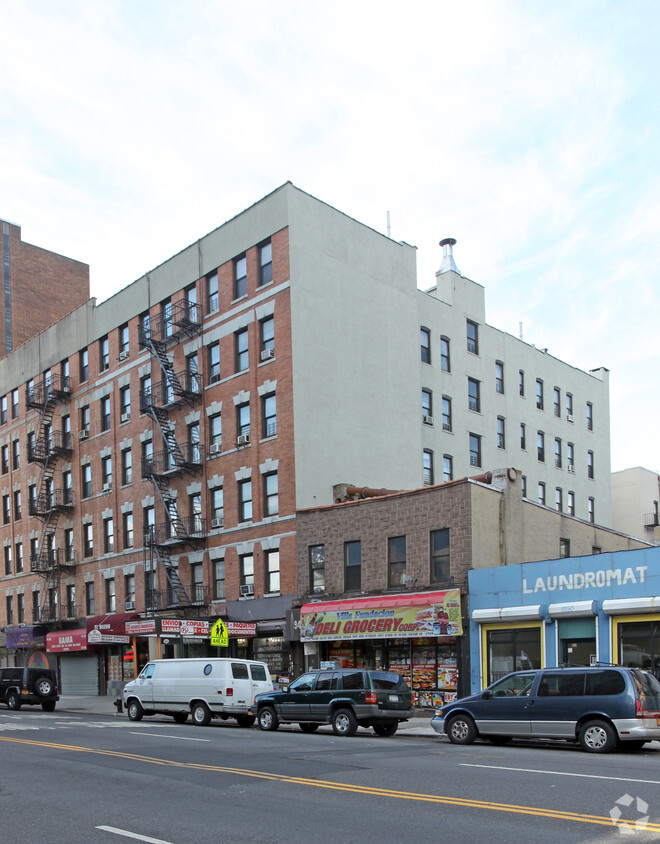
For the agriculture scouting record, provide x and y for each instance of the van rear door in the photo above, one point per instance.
(260, 676)
(240, 684)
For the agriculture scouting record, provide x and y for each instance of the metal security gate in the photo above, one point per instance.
(79, 674)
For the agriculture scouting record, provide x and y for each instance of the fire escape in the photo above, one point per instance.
(46, 448)
(181, 320)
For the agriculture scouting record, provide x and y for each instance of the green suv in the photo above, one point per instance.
(347, 698)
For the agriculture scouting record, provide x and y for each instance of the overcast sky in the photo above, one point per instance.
(526, 130)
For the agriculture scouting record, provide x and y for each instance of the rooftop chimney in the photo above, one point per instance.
(448, 262)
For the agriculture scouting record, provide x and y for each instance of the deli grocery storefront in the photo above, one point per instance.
(417, 635)
(578, 610)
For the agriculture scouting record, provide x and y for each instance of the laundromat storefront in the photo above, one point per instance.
(417, 635)
(604, 608)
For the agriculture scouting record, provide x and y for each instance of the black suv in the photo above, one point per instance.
(347, 698)
(28, 685)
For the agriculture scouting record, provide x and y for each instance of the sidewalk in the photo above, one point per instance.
(94, 705)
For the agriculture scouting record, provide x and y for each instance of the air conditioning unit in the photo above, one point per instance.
(123, 356)
(267, 354)
(246, 590)
(427, 419)
(130, 605)
(84, 434)
(214, 378)
(243, 439)
(217, 523)
(215, 448)
(107, 487)
(571, 469)
(125, 417)
(569, 417)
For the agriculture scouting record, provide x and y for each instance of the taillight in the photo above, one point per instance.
(230, 692)
(371, 697)
(638, 709)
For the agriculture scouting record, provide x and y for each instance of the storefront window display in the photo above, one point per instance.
(511, 649)
(639, 644)
(273, 651)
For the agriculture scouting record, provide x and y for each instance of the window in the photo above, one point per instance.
(20, 601)
(246, 562)
(425, 344)
(243, 419)
(271, 502)
(191, 303)
(214, 362)
(591, 510)
(475, 449)
(127, 530)
(34, 550)
(446, 413)
(10, 609)
(427, 466)
(272, 567)
(108, 536)
(569, 406)
(125, 403)
(499, 377)
(197, 583)
(148, 522)
(570, 457)
(427, 407)
(501, 440)
(7, 559)
(523, 485)
(557, 453)
(123, 339)
(105, 413)
(269, 415)
(265, 263)
(36, 606)
(145, 393)
(241, 348)
(166, 317)
(144, 328)
(523, 436)
(445, 360)
(267, 338)
(90, 603)
(571, 503)
(218, 580)
(316, 569)
(559, 500)
(19, 557)
(129, 587)
(539, 394)
(474, 402)
(106, 472)
(6, 510)
(5, 459)
(540, 446)
(17, 505)
(147, 458)
(447, 467)
(193, 382)
(217, 507)
(590, 464)
(86, 474)
(352, 566)
(195, 507)
(541, 492)
(126, 466)
(14, 404)
(521, 382)
(84, 364)
(215, 432)
(440, 556)
(16, 454)
(32, 499)
(88, 540)
(69, 553)
(590, 416)
(556, 401)
(212, 301)
(104, 354)
(110, 599)
(472, 337)
(396, 560)
(240, 277)
(245, 501)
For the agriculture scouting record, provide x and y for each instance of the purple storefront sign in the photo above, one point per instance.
(26, 637)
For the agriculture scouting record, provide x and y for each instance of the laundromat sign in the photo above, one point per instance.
(436, 614)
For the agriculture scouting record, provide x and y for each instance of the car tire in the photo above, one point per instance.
(48, 706)
(201, 715)
(180, 717)
(308, 726)
(134, 711)
(43, 687)
(597, 736)
(268, 720)
(13, 701)
(386, 729)
(344, 722)
(245, 720)
(461, 730)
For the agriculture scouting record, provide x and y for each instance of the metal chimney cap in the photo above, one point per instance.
(448, 241)
(448, 263)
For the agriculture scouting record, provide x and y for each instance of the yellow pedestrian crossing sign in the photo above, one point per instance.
(219, 635)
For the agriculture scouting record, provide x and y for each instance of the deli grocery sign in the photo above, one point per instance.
(383, 617)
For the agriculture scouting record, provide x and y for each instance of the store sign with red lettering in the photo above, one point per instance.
(240, 629)
(374, 619)
(195, 627)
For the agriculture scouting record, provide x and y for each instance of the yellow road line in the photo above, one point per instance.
(465, 802)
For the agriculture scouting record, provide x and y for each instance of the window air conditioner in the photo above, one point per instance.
(123, 356)
(130, 605)
(246, 590)
(107, 487)
(84, 434)
(571, 469)
(427, 419)
(215, 377)
(125, 417)
(217, 523)
(569, 417)
(267, 354)
(215, 448)
(243, 439)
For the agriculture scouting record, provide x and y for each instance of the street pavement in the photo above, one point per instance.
(420, 725)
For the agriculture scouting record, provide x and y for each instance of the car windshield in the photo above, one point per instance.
(383, 680)
(514, 685)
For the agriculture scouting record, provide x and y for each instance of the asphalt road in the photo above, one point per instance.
(95, 778)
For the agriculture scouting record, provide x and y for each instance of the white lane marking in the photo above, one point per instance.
(559, 773)
(162, 735)
(134, 835)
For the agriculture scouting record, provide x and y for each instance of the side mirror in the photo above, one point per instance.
(487, 694)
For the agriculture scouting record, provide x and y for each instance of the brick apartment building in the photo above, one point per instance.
(383, 575)
(156, 446)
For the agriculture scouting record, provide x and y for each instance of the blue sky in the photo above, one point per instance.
(526, 130)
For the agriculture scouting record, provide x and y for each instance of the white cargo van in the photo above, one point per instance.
(205, 688)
